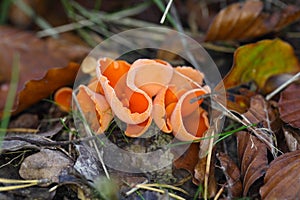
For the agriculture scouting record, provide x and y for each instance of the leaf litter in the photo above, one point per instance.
(257, 173)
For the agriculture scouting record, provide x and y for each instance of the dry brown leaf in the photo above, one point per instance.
(232, 173)
(253, 159)
(200, 173)
(282, 178)
(189, 159)
(260, 111)
(292, 138)
(289, 105)
(238, 99)
(241, 21)
(46, 164)
(36, 58)
(191, 162)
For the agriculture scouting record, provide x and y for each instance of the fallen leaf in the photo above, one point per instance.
(200, 173)
(253, 159)
(238, 98)
(191, 162)
(232, 173)
(189, 159)
(87, 164)
(15, 145)
(241, 21)
(266, 117)
(292, 138)
(260, 111)
(275, 82)
(259, 61)
(282, 178)
(289, 105)
(25, 120)
(37, 56)
(46, 164)
(36, 90)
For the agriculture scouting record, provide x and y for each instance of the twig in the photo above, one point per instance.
(166, 12)
(24, 183)
(23, 130)
(143, 186)
(134, 189)
(207, 167)
(272, 94)
(219, 193)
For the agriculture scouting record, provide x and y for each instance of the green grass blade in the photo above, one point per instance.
(42, 23)
(10, 97)
(4, 8)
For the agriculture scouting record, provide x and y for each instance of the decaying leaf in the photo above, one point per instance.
(15, 145)
(36, 57)
(191, 162)
(292, 138)
(282, 178)
(18, 141)
(260, 111)
(87, 164)
(238, 99)
(253, 159)
(189, 159)
(241, 21)
(36, 90)
(259, 61)
(289, 105)
(200, 173)
(266, 117)
(232, 173)
(46, 164)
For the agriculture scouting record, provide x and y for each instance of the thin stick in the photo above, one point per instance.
(167, 186)
(166, 12)
(219, 193)
(272, 94)
(23, 130)
(159, 191)
(134, 189)
(15, 187)
(207, 167)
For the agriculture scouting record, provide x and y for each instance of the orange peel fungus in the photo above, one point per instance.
(143, 92)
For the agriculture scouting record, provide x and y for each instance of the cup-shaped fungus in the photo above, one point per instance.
(147, 91)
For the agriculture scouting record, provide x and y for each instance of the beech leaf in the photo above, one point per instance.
(232, 174)
(259, 61)
(37, 56)
(253, 159)
(282, 177)
(189, 159)
(241, 21)
(289, 105)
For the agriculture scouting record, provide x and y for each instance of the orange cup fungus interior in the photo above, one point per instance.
(143, 92)
(63, 98)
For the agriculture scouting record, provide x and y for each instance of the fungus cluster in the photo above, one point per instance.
(143, 92)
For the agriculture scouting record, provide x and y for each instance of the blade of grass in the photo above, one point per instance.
(225, 134)
(42, 23)
(4, 8)
(10, 97)
(199, 190)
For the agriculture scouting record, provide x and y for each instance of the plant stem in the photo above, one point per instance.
(10, 96)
